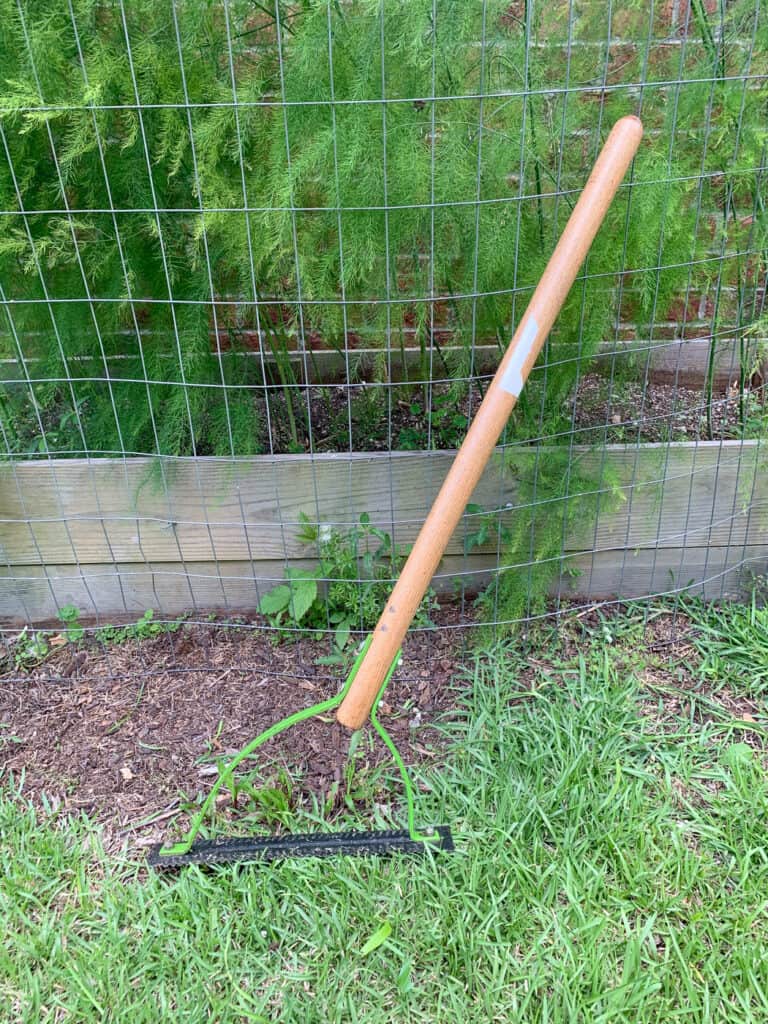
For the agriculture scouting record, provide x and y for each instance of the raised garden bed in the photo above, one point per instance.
(119, 536)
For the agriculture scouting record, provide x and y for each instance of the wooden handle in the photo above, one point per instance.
(491, 417)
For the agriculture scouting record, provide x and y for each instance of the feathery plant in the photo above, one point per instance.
(150, 217)
(339, 214)
(350, 200)
(94, 121)
(557, 496)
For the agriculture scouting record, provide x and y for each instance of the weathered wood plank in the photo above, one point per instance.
(685, 363)
(664, 358)
(118, 537)
(35, 594)
(80, 512)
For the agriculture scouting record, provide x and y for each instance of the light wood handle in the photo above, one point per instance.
(491, 417)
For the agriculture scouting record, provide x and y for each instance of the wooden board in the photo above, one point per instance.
(103, 592)
(116, 536)
(664, 358)
(141, 510)
(684, 363)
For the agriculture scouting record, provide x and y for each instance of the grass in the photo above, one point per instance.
(611, 866)
(733, 641)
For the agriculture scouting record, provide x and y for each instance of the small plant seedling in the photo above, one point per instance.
(269, 804)
(70, 616)
(142, 629)
(442, 426)
(8, 737)
(30, 649)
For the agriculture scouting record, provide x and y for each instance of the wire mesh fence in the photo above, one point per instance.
(259, 262)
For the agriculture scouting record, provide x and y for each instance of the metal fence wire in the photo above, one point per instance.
(259, 261)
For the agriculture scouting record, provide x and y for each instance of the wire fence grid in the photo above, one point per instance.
(258, 263)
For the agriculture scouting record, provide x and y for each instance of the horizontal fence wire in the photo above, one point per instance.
(258, 266)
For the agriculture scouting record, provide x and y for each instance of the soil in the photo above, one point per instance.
(371, 417)
(129, 733)
(625, 412)
(600, 412)
(120, 732)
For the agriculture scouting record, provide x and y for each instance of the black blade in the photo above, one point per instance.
(307, 844)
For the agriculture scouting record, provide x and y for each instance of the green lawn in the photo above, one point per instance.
(610, 803)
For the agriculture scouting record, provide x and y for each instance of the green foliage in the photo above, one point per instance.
(30, 648)
(268, 805)
(445, 428)
(737, 755)
(332, 195)
(95, 151)
(70, 616)
(732, 639)
(142, 629)
(378, 938)
(291, 602)
(359, 567)
(339, 197)
(556, 496)
(612, 868)
(484, 525)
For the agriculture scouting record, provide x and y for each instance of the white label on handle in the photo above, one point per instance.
(512, 380)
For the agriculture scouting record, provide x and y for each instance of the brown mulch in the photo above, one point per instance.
(600, 412)
(629, 411)
(131, 731)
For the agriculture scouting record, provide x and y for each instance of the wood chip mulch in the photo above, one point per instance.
(129, 731)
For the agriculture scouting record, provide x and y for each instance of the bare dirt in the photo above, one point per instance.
(601, 411)
(627, 412)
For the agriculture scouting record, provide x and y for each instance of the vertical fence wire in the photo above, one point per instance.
(295, 243)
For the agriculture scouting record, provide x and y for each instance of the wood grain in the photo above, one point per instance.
(489, 420)
(662, 359)
(33, 593)
(709, 493)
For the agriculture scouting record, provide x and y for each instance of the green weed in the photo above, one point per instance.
(30, 648)
(443, 427)
(358, 566)
(70, 616)
(142, 629)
